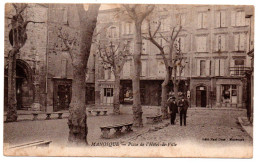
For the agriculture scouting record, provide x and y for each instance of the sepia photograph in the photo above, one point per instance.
(128, 80)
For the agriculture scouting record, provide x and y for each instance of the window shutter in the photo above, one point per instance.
(199, 20)
(243, 18)
(65, 15)
(223, 19)
(217, 19)
(204, 44)
(144, 66)
(198, 44)
(205, 20)
(233, 18)
(236, 40)
(223, 42)
(207, 67)
(222, 67)
(64, 68)
(183, 19)
(216, 67)
(123, 28)
(217, 43)
(182, 44)
(242, 42)
(198, 67)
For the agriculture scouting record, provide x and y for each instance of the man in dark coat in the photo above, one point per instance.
(183, 106)
(173, 106)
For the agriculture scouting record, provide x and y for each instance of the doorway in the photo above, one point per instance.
(201, 96)
(62, 94)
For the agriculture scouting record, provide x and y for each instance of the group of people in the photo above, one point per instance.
(180, 107)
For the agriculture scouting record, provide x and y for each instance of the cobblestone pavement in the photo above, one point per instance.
(203, 126)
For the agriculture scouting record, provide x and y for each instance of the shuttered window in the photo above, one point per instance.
(220, 19)
(238, 18)
(219, 67)
(202, 20)
(201, 43)
(239, 41)
(220, 43)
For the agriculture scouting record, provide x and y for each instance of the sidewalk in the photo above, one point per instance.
(246, 125)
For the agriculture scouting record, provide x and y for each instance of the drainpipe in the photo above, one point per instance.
(46, 60)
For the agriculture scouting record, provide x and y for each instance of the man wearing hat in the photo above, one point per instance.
(183, 106)
(173, 109)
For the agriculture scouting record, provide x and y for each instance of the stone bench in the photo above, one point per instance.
(40, 143)
(118, 129)
(154, 119)
(97, 112)
(48, 115)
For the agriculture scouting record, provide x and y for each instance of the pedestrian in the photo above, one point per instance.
(183, 107)
(173, 106)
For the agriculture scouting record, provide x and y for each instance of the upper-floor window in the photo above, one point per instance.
(219, 67)
(202, 20)
(127, 28)
(181, 19)
(126, 69)
(239, 41)
(220, 19)
(112, 33)
(201, 43)
(238, 18)
(143, 68)
(145, 46)
(180, 44)
(220, 43)
(203, 67)
(161, 68)
(237, 67)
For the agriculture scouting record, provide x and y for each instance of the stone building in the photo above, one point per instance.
(214, 41)
(44, 70)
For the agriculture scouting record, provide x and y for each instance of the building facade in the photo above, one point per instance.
(214, 41)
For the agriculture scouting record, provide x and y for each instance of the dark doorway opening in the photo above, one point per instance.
(201, 96)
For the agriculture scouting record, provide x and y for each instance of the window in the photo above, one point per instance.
(219, 67)
(237, 67)
(180, 44)
(143, 67)
(107, 73)
(108, 92)
(238, 18)
(201, 43)
(202, 20)
(165, 26)
(161, 69)
(180, 19)
(112, 33)
(126, 69)
(203, 67)
(127, 28)
(220, 43)
(229, 94)
(220, 19)
(178, 73)
(144, 46)
(239, 41)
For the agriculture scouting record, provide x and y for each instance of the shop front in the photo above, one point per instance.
(229, 93)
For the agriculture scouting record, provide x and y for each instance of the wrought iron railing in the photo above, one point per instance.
(238, 71)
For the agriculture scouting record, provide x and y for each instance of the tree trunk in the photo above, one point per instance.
(137, 108)
(175, 84)
(165, 83)
(77, 120)
(116, 102)
(12, 103)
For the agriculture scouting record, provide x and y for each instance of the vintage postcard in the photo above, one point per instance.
(128, 80)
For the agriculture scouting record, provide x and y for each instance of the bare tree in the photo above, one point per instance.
(137, 13)
(115, 58)
(172, 60)
(17, 38)
(78, 46)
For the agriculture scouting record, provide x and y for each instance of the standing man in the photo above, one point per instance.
(173, 109)
(183, 105)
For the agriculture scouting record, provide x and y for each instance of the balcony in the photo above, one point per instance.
(239, 71)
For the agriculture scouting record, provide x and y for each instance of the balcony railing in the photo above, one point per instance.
(238, 71)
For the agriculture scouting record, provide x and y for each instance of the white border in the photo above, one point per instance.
(256, 81)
